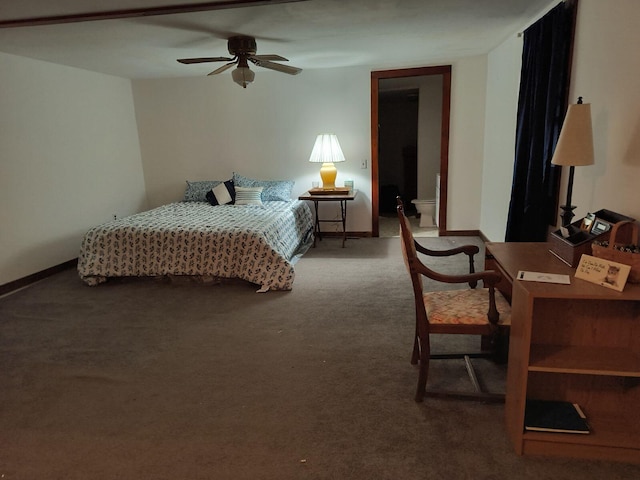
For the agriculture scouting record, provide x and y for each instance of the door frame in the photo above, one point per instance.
(445, 71)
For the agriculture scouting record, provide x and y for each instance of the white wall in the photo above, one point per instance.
(605, 72)
(207, 128)
(466, 143)
(69, 159)
(503, 83)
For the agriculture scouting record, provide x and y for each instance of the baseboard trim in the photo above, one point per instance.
(483, 237)
(349, 234)
(445, 233)
(35, 277)
(460, 233)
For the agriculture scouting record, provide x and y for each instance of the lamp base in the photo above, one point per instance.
(328, 174)
(567, 214)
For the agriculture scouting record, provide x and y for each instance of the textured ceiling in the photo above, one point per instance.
(312, 34)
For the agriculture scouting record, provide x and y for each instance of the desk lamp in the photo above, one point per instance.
(327, 151)
(574, 148)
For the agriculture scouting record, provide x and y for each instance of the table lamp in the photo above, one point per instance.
(327, 151)
(574, 148)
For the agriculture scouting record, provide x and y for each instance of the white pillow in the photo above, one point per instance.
(249, 195)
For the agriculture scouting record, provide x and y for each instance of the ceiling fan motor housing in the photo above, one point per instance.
(242, 45)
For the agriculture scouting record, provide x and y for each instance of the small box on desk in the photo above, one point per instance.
(569, 249)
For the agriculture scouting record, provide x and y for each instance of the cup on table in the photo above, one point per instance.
(349, 185)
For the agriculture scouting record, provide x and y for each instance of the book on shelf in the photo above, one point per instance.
(554, 416)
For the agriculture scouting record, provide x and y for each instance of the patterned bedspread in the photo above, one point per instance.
(254, 243)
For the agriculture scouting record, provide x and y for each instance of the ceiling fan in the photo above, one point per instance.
(244, 50)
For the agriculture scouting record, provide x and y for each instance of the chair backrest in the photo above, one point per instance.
(409, 253)
(411, 261)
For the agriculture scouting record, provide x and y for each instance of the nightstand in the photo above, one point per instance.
(342, 198)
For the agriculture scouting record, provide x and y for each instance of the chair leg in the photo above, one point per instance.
(415, 356)
(423, 373)
(502, 346)
(424, 355)
(498, 343)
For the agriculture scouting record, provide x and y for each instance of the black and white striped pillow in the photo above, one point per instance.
(222, 194)
(248, 195)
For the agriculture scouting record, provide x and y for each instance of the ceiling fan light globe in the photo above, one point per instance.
(243, 76)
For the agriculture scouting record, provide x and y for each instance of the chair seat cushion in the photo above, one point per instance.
(464, 307)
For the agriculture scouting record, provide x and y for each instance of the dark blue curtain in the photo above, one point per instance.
(542, 104)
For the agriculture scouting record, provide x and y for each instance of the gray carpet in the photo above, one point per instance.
(156, 379)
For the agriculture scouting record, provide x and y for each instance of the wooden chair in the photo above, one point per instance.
(469, 311)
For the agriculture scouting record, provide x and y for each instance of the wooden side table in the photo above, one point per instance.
(342, 198)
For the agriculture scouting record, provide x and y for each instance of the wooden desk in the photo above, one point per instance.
(343, 199)
(578, 343)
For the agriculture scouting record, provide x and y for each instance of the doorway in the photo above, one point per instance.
(409, 159)
(397, 145)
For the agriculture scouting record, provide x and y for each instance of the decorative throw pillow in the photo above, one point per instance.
(273, 190)
(197, 191)
(222, 193)
(248, 195)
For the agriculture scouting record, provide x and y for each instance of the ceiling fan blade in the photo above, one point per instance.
(222, 68)
(276, 66)
(210, 33)
(204, 60)
(270, 57)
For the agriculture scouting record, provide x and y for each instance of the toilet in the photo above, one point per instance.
(427, 211)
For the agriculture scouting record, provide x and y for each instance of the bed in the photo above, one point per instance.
(258, 241)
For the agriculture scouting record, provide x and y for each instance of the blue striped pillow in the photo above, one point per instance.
(248, 195)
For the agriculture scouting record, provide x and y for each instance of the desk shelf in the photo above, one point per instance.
(608, 361)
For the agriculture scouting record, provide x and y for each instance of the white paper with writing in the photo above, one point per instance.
(543, 277)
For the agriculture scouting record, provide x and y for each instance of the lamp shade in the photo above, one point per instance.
(575, 144)
(243, 76)
(326, 149)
